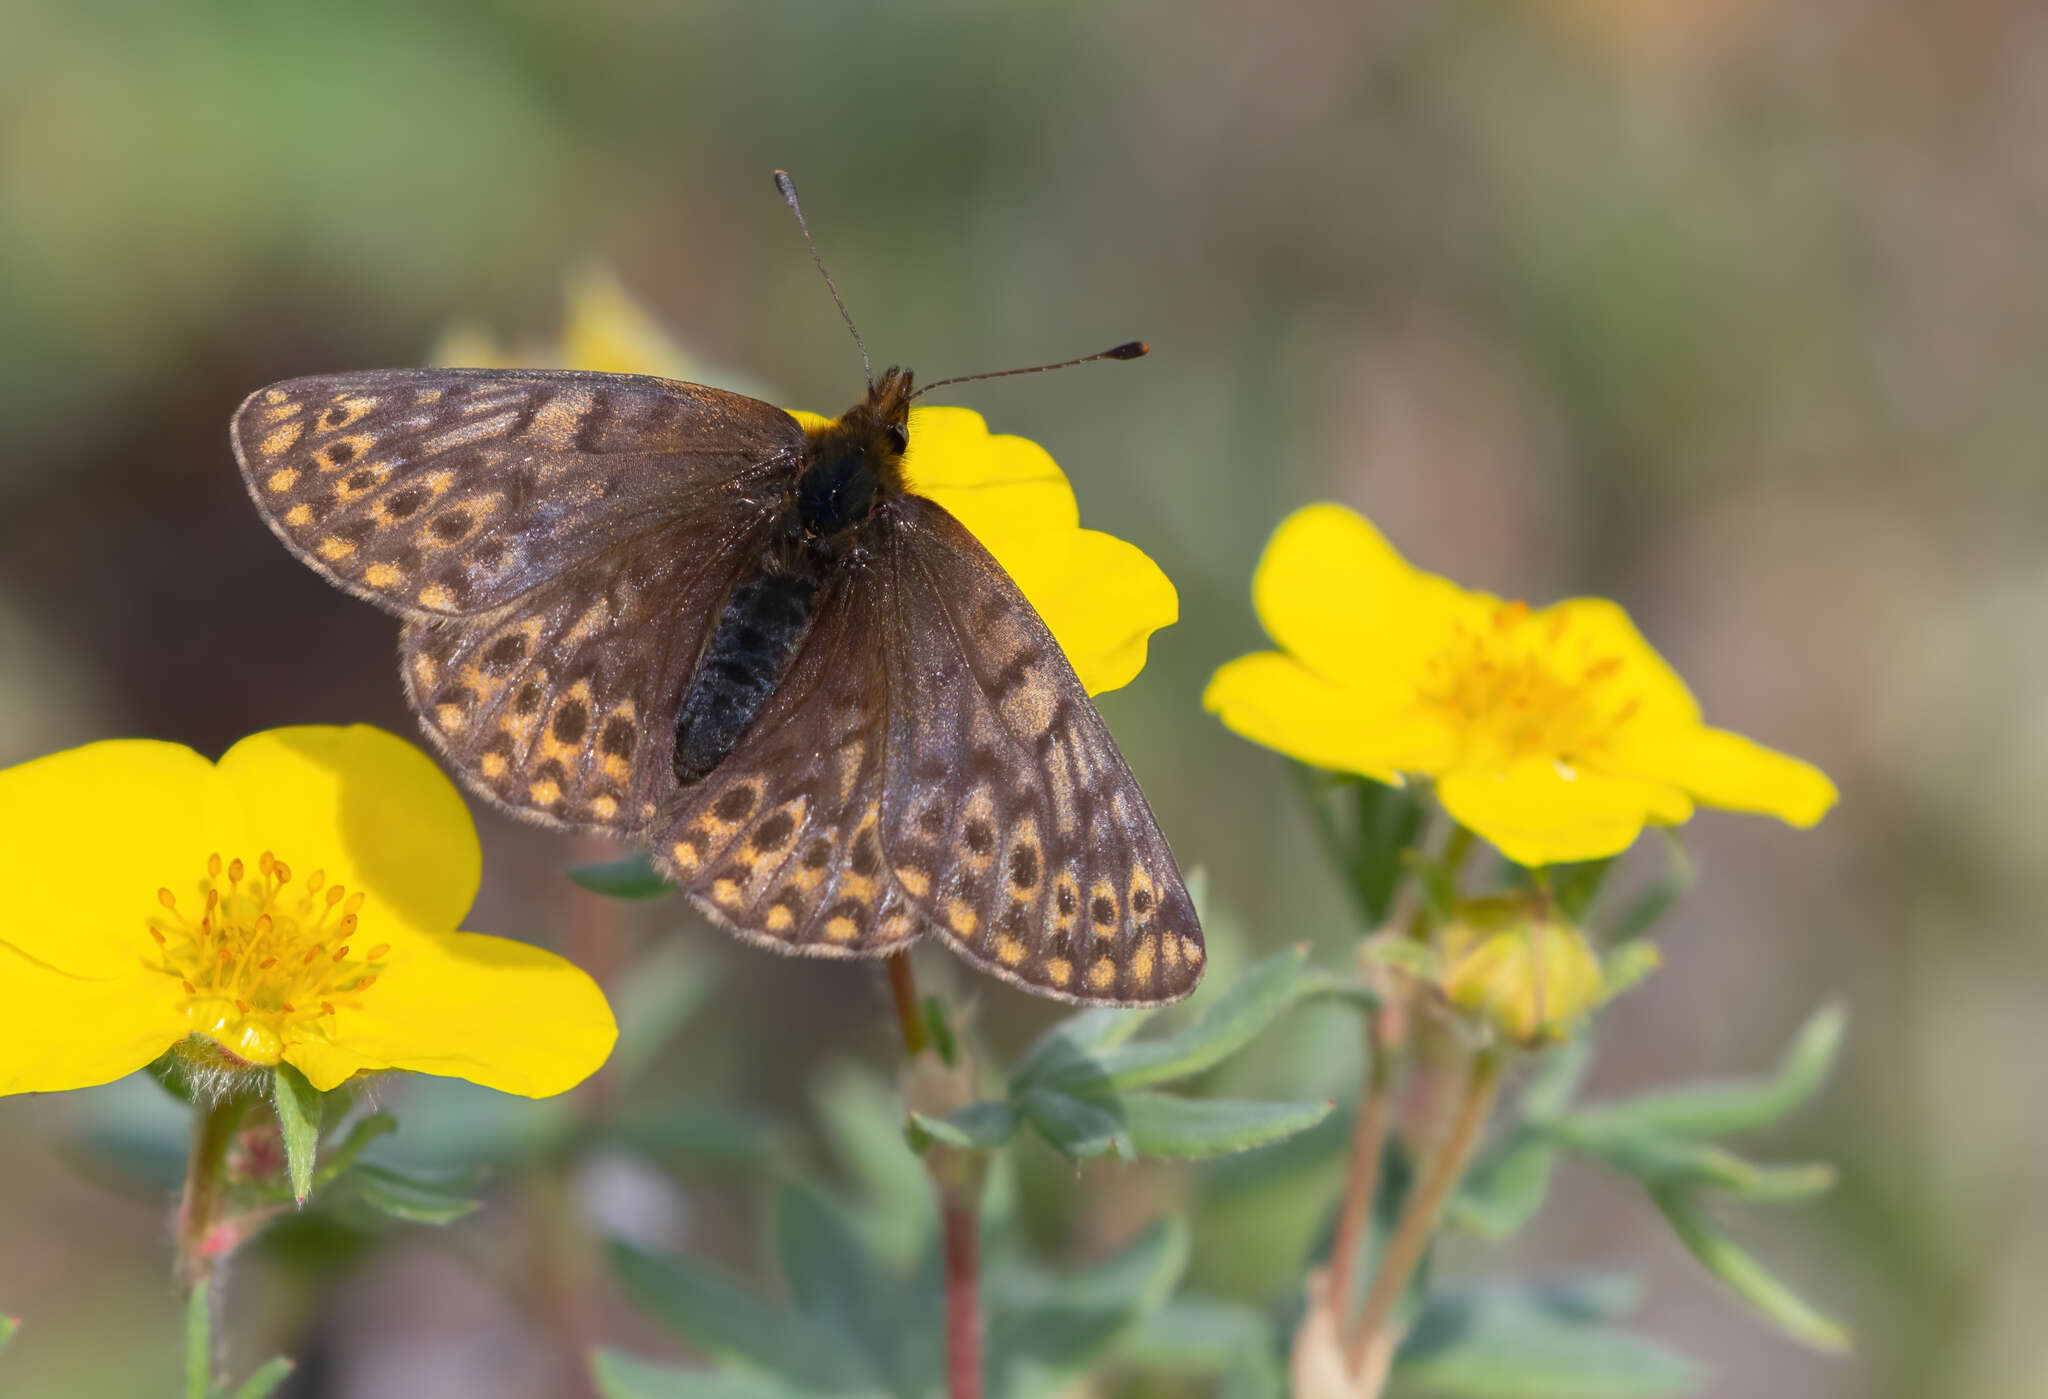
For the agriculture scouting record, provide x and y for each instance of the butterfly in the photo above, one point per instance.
(674, 614)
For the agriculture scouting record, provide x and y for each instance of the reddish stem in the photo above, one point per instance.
(903, 989)
(960, 1221)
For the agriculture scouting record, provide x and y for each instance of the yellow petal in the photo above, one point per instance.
(370, 810)
(1588, 631)
(1541, 812)
(609, 331)
(1725, 769)
(1273, 699)
(88, 837)
(504, 1014)
(60, 1031)
(1006, 489)
(1100, 597)
(1332, 591)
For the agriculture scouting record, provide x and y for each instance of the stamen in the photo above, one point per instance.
(235, 870)
(315, 880)
(378, 952)
(341, 952)
(213, 866)
(166, 898)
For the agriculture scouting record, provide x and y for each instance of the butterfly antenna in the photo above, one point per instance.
(787, 187)
(1131, 350)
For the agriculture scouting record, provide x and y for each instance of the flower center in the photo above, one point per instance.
(264, 962)
(1516, 687)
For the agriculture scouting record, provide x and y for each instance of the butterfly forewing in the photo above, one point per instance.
(782, 841)
(1009, 818)
(562, 704)
(454, 491)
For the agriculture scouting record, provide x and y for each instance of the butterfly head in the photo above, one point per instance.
(855, 462)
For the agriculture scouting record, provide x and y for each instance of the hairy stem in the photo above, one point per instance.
(1361, 1182)
(961, 1222)
(199, 1206)
(1419, 1216)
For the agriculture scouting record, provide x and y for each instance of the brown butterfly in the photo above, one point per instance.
(671, 613)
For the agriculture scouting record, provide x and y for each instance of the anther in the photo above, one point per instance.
(235, 870)
(266, 964)
(213, 866)
(242, 1006)
(315, 880)
(263, 926)
(212, 900)
(334, 895)
(347, 924)
(166, 898)
(377, 953)
(341, 952)
(355, 901)
(265, 861)
(159, 938)
(190, 989)
(282, 870)
(287, 1007)
(312, 953)
(327, 1007)
(365, 983)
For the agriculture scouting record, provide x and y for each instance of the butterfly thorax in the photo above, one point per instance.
(852, 466)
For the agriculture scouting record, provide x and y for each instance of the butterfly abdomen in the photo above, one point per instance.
(764, 622)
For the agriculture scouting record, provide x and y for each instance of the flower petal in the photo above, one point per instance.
(88, 837)
(1332, 591)
(1727, 770)
(1273, 699)
(1101, 597)
(1593, 632)
(504, 1014)
(370, 810)
(60, 1031)
(1539, 812)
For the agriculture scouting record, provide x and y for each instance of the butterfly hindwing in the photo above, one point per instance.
(781, 842)
(1009, 818)
(561, 705)
(447, 492)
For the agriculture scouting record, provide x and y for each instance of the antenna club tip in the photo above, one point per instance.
(785, 186)
(1136, 349)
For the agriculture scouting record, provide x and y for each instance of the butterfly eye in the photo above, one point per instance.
(899, 436)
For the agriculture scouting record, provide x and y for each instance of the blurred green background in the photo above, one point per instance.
(1729, 310)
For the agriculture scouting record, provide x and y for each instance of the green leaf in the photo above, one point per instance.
(8, 1326)
(1161, 1124)
(696, 1133)
(633, 877)
(1046, 1330)
(720, 1319)
(656, 999)
(1660, 1161)
(620, 1376)
(415, 1200)
(1512, 1343)
(1748, 1278)
(1574, 887)
(264, 1379)
(199, 1344)
(298, 1119)
(1318, 984)
(341, 1157)
(839, 1283)
(1077, 1039)
(1230, 1022)
(1628, 964)
(1196, 1336)
(862, 1118)
(1505, 1187)
(1559, 1072)
(1644, 911)
(1389, 819)
(980, 1126)
(1736, 1106)
(1076, 1128)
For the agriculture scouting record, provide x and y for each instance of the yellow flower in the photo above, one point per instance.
(1530, 973)
(294, 902)
(1555, 733)
(1102, 598)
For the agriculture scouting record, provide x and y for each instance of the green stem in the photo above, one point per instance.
(199, 1207)
(1419, 1216)
(199, 1342)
